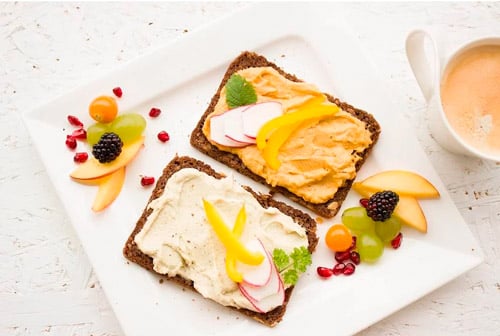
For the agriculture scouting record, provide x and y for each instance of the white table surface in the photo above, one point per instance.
(47, 286)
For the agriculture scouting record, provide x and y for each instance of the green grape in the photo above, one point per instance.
(357, 220)
(94, 133)
(128, 126)
(370, 247)
(388, 229)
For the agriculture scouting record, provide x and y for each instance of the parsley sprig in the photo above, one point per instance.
(239, 92)
(291, 266)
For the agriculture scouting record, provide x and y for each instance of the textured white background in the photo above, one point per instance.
(47, 286)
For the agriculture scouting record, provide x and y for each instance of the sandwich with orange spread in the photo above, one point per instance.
(286, 134)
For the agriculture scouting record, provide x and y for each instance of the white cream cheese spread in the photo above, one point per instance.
(180, 240)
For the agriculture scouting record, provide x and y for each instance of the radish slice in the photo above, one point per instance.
(256, 275)
(255, 116)
(259, 293)
(217, 132)
(270, 302)
(233, 125)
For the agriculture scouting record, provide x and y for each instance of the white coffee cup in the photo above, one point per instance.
(429, 65)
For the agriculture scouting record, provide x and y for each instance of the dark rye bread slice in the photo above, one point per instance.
(134, 254)
(199, 141)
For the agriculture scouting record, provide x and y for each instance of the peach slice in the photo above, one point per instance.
(402, 182)
(408, 209)
(410, 213)
(109, 189)
(93, 169)
(92, 182)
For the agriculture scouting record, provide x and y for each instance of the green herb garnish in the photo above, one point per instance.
(281, 259)
(290, 266)
(239, 92)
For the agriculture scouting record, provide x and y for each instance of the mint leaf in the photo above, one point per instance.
(301, 258)
(290, 277)
(239, 92)
(280, 259)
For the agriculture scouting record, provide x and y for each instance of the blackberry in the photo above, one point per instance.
(381, 205)
(108, 148)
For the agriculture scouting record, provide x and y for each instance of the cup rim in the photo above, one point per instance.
(458, 51)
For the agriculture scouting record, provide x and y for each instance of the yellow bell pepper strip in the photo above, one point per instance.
(274, 143)
(239, 224)
(313, 102)
(232, 244)
(286, 120)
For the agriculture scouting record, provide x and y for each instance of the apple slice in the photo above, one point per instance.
(93, 169)
(257, 115)
(256, 275)
(218, 132)
(109, 189)
(408, 209)
(233, 125)
(402, 182)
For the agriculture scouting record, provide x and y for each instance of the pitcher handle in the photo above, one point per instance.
(423, 62)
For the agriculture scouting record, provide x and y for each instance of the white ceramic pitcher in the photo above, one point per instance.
(428, 67)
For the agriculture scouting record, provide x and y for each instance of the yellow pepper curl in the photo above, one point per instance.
(235, 249)
(231, 270)
(273, 134)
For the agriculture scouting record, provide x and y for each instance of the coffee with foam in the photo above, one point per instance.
(470, 95)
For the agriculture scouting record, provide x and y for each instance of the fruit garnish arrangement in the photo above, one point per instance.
(114, 140)
(389, 201)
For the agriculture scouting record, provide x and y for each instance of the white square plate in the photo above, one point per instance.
(180, 78)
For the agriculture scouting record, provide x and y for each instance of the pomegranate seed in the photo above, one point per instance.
(355, 258)
(342, 256)
(70, 142)
(154, 112)
(324, 272)
(147, 180)
(80, 157)
(79, 134)
(364, 202)
(338, 269)
(163, 136)
(118, 91)
(74, 121)
(396, 242)
(353, 244)
(349, 269)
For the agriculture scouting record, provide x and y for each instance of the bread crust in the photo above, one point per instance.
(132, 252)
(199, 141)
